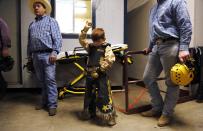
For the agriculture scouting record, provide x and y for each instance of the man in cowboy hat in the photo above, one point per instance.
(44, 43)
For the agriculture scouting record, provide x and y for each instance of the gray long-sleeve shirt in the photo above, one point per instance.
(170, 18)
(5, 40)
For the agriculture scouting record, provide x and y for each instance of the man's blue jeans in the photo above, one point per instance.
(3, 86)
(46, 72)
(162, 57)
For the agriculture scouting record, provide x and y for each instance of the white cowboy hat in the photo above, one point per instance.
(46, 3)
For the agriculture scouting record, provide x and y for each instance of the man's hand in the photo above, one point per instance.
(29, 65)
(183, 55)
(147, 51)
(5, 52)
(52, 59)
(29, 59)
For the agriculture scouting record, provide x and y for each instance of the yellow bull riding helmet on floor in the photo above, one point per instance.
(182, 74)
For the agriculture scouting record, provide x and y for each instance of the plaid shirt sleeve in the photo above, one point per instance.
(56, 37)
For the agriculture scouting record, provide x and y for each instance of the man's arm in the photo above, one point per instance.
(28, 45)
(185, 29)
(184, 25)
(151, 44)
(56, 37)
(5, 38)
(56, 40)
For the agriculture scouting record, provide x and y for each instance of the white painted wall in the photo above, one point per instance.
(195, 10)
(138, 31)
(138, 37)
(9, 12)
(26, 18)
(109, 15)
(133, 4)
(198, 16)
(191, 9)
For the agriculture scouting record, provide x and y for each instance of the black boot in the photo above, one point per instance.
(85, 115)
(52, 111)
(41, 107)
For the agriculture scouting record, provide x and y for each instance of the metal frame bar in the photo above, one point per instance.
(125, 76)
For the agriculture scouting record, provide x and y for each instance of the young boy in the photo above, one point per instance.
(98, 100)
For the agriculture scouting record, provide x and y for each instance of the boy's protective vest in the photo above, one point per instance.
(95, 54)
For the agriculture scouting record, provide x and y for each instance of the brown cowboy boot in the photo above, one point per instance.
(164, 120)
(151, 113)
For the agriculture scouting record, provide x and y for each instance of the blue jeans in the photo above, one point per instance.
(162, 57)
(3, 86)
(46, 72)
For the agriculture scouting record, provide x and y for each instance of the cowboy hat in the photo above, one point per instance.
(46, 3)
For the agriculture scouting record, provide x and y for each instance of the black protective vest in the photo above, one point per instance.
(96, 53)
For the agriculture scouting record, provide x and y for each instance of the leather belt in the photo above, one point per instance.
(163, 40)
(43, 51)
(90, 69)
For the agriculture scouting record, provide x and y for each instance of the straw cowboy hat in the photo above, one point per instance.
(46, 3)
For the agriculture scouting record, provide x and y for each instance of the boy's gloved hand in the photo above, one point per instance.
(88, 25)
(103, 64)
